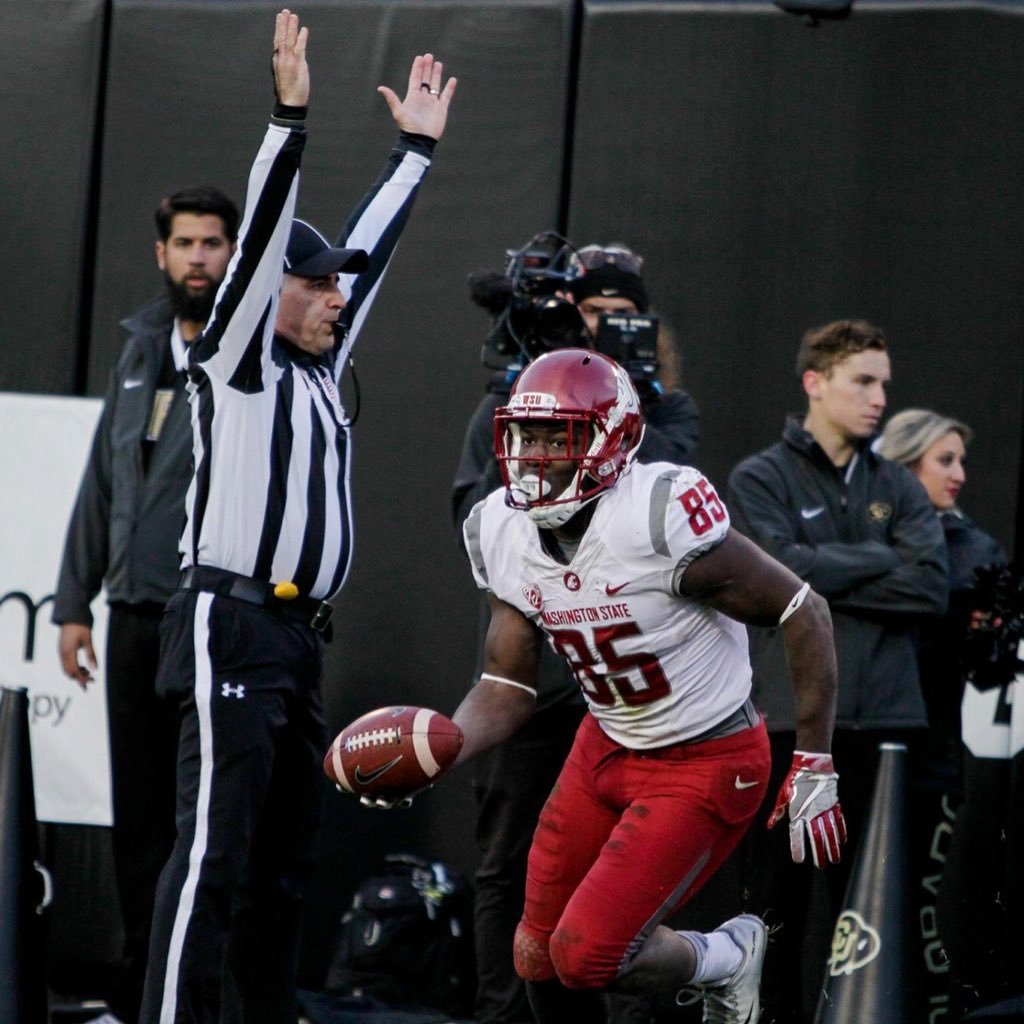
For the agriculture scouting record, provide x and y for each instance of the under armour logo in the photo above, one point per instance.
(227, 690)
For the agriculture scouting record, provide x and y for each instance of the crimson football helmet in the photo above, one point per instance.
(593, 399)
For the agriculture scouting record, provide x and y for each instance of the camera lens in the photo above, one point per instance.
(557, 323)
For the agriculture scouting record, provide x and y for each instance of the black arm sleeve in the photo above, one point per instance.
(86, 546)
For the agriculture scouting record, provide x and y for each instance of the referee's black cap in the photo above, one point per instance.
(309, 254)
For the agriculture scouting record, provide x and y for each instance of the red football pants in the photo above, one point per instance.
(626, 837)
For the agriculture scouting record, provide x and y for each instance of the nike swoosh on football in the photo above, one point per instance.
(365, 778)
(810, 513)
(740, 784)
(132, 383)
(612, 591)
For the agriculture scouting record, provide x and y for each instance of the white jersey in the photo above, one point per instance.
(655, 668)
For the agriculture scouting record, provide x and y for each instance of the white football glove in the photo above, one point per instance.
(381, 804)
(810, 794)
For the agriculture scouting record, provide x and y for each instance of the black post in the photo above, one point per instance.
(23, 892)
(870, 970)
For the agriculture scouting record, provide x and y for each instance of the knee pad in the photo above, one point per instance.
(574, 961)
(531, 957)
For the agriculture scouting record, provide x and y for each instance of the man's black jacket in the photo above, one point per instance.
(868, 540)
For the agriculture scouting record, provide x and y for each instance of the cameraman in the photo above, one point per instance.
(512, 781)
(600, 280)
(607, 280)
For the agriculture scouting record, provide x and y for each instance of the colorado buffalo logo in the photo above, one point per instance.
(854, 944)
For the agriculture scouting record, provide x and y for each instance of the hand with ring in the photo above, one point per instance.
(424, 110)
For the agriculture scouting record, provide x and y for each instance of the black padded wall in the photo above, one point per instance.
(50, 56)
(778, 176)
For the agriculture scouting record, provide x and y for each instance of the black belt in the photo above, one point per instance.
(316, 614)
(744, 717)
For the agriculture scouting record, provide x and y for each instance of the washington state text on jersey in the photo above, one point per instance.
(588, 613)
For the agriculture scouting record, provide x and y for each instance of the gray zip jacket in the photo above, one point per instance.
(125, 525)
(867, 539)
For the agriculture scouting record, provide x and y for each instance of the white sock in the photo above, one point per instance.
(718, 957)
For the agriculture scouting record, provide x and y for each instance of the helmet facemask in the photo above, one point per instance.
(534, 481)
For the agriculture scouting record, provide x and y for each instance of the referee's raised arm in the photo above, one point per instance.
(376, 223)
(247, 302)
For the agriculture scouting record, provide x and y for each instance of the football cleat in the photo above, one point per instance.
(737, 999)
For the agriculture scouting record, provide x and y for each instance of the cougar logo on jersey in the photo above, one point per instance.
(854, 944)
(533, 596)
(571, 581)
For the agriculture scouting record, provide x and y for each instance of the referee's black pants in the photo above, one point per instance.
(225, 936)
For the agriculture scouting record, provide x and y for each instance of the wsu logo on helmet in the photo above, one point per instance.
(532, 400)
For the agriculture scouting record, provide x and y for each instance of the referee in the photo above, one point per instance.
(266, 545)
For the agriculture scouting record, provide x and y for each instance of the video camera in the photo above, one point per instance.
(533, 318)
(631, 339)
(991, 654)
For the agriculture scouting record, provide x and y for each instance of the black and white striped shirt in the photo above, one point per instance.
(270, 493)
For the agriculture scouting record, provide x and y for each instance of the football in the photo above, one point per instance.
(393, 752)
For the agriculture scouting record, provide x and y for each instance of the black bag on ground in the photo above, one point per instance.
(407, 938)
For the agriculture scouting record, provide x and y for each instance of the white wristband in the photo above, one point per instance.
(798, 599)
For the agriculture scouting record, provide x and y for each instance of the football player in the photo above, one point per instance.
(633, 574)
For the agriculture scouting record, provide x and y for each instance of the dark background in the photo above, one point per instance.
(775, 175)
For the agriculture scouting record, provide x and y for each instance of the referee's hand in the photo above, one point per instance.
(291, 72)
(424, 110)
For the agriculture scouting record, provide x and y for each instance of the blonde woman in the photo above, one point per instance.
(934, 448)
(972, 904)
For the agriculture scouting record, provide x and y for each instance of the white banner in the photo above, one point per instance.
(45, 445)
